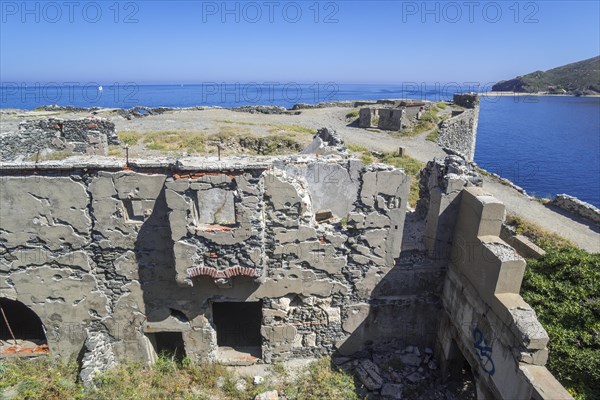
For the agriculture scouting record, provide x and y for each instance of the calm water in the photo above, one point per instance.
(547, 145)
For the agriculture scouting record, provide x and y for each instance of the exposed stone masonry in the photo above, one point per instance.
(459, 133)
(45, 136)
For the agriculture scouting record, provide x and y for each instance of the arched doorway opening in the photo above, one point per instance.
(21, 330)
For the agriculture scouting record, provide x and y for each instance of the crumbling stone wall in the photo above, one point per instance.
(459, 133)
(398, 115)
(44, 136)
(108, 257)
(577, 207)
(122, 254)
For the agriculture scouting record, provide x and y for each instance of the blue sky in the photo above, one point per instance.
(346, 42)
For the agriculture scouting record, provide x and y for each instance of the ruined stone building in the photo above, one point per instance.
(392, 115)
(265, 259)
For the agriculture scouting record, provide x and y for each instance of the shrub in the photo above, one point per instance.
(563, 288)
(353, 114)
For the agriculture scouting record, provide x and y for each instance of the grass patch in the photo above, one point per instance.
(357, 148)
(284, 128)
(321, 381)
(563, 289)
(482, 171)
(353, 114)
(229, 121)
(48, 378)
(192, 142)
(115, 151)
(367, 158)
(429, 121)
(129, 137)
(433, 135)
(441, 105)
(548, 241)
(53, 156)
(275, 128)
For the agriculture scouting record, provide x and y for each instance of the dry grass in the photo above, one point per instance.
(50, 379)
(540, 236)
(190, 141)
(53, 156)
(129, 137)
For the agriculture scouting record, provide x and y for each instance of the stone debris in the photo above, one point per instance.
(391, 391)
(98, 357)
(270, 395)
(385, 375)
(261, 109)
(369, 375)
(326, 142)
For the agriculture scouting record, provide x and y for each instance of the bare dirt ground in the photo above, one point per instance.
(214, 121)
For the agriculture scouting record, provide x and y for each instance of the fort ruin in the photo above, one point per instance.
(263, 259)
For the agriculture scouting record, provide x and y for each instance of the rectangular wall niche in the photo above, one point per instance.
(168, 343)
(134, 210)
(238, 324)
(215, 207)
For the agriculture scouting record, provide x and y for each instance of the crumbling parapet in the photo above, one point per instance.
(325, 142)
(440, 187)
(45, 136)
(577, 207)
(485, 318)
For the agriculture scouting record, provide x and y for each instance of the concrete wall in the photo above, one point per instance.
(114, 255)
(485, 318)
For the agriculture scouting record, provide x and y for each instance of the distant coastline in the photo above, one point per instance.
(542, 94)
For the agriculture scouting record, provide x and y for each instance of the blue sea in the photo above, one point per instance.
(547, 145)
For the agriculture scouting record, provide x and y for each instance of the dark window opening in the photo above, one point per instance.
(238, 324)
(24, 323)
(169, 344)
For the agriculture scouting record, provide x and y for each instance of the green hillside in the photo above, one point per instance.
(580, 78)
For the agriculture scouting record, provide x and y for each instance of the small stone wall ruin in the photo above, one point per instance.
(395, 116)
(42, 137)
